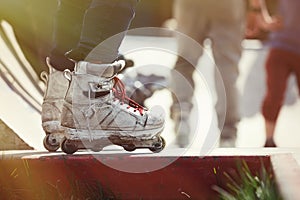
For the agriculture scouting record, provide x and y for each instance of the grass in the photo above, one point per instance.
(248, 186)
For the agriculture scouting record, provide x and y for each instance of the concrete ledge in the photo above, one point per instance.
(188, 177)
(287, 173)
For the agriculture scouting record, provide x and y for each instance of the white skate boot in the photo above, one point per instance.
(97, 113)
(57, 86)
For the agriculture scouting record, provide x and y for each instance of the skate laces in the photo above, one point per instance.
(120, 93)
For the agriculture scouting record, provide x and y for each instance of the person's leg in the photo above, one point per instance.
(227, 33)
(103, 19)
(278, 71)
(67, 28)
(296, 69)
(182, 88)
(182, 84)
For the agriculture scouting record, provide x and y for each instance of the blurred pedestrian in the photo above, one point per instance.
(282, 61)
(223, 22)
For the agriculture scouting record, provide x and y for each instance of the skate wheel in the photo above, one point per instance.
(158, 146)
(68, 146)
(129, 147)
(51, 144)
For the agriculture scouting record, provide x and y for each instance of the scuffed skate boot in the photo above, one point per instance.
(56, 89)
(97, 113)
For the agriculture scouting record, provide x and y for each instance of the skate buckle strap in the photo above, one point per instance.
(120, 93)
(100, 87)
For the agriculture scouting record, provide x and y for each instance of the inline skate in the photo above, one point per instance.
(97, 113)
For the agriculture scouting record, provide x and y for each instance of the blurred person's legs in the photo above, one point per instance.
(199, 19)
(182, 86)
(227, 30)
(279, 66)
(191, 21)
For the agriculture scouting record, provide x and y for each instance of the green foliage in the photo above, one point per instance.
(247, 186)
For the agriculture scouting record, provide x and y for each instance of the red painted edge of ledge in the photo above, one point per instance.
(186, 178)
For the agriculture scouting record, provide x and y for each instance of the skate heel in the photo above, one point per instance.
(52, 127)
(54, 95)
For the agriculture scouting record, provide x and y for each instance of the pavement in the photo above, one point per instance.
(26, 122)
